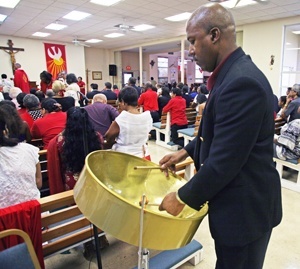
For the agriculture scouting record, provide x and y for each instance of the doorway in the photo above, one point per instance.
(125, 77)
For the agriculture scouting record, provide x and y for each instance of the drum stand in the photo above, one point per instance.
(143, 253)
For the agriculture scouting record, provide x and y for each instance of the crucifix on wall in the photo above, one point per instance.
(11, 51)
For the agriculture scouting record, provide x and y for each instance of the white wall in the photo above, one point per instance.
(261, 40)
(33, 59)
(99, 60)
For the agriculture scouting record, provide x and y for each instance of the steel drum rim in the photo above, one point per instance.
(127, 201)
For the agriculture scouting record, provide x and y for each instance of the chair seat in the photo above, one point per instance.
(8, 258)
(187, 131)
(156, 125)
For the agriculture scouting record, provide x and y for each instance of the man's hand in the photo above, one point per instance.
(171, 204)
(169, 160)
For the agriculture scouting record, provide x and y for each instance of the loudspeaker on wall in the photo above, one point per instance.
(112, 70)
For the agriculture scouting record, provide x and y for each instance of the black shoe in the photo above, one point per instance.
(89, 250)
(103, 242)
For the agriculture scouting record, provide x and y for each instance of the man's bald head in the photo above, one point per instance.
(215, 15)
(100, 98)
(211, 33)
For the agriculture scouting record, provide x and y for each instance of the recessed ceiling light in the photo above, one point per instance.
(56, 26)
(76, 15)
(143, 27)
(179, 17)
(41, 34)
(114, 35)
(105, 2)
(93, 41)
(9, 4)
(2, 17)
(296, 32)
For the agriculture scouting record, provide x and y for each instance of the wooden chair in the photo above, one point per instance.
(113, 103)
(191, 115)
(20, 256)
(45, 191)
(37, 143)
(278, 124)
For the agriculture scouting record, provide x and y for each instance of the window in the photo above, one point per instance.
(198, 74)
(290, 71)
(162, 66)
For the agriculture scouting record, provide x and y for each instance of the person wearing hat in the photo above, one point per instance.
(32, 105)
(290, 110)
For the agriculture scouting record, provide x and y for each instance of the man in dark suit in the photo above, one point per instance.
(110, 95)
(234, 147)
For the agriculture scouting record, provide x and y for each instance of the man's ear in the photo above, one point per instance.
(215, 34)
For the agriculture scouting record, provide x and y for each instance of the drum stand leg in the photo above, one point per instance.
(143, 262)
(96, 238)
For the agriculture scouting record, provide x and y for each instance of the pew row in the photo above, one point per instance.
(163, 128)
(64, 226)
(163, 132)
(286, 183)
(190, 133)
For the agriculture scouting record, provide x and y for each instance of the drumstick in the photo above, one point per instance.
(147, 167)
(147, 202)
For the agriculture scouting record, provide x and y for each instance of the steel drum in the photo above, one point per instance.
(108, 193)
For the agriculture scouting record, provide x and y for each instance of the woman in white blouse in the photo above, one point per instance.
(129, 132)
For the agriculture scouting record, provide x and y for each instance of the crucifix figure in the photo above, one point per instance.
(11, 51)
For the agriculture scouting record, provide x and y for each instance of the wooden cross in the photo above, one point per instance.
(87, 71)
(11, 51)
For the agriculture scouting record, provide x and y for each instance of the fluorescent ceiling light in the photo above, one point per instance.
(2, 17)
(93, 41)
(41, 34)
(236, 3)
(114, 35)
(55, 26)
(143, 27)
(9, 3)
(296, 32)
(76, 15)
(179, 17)
(105, 2)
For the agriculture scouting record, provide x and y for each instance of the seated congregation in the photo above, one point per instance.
(44, 142)
(287, 138)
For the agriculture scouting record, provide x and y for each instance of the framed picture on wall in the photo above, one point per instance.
(97, 75)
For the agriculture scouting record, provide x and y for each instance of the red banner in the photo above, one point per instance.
(55, 58)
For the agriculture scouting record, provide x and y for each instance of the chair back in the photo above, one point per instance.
(20, 256)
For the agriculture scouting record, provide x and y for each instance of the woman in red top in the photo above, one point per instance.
(52, 123)
(81, 85)
(46, 81)
(176, 107)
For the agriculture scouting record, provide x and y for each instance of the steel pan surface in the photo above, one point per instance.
(108, 193)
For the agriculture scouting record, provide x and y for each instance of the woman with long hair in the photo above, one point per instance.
(20, 170)
(17, 128)
(71, 144)
(66, 157)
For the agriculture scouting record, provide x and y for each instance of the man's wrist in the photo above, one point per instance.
(178, 199)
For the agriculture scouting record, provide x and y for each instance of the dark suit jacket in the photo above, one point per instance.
(236, 173)
(110, 95)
